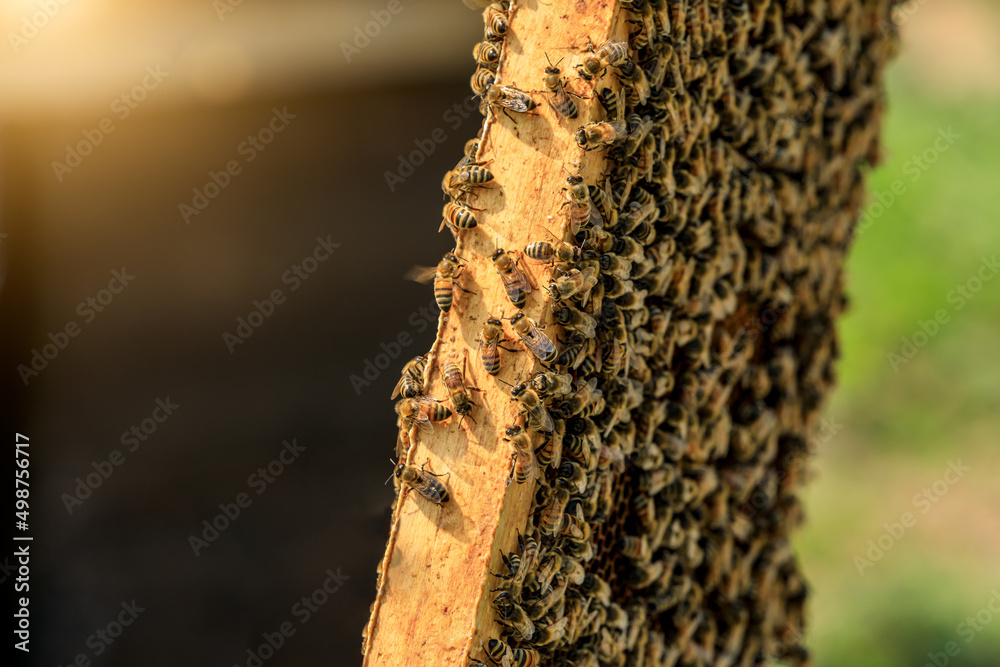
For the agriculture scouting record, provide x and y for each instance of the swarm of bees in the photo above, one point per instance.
(688, 342)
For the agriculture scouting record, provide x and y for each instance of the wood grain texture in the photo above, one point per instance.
(433, 605)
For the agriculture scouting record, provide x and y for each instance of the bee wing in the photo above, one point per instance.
(421, 274)
(515, 100)
(595, 215)
(423, 422)
(545, 421)
(588, 278)
(399, 387)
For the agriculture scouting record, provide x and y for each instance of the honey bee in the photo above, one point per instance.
(538, 416)
(613, 103)
(552, 384)
(632, 75)
(551, 633)
(496, 24)
(454, 380)
(549, 599)
(597, 588)
(635, 548)
(525, 466)
(515, 283)
(444, 277)
(412, 379)
(595, 135)
(581, 209)
(579, 439)
(482, 80)
(489, 345)
(423, 482)
(421, 412)
(584, 394)
(551, 520)
(513, 616)
(533, 339)
(550, 453)
(573, 318)
(560, 99)
(573, 475)
(613, 52)
(458, 216)
(543, 251)
(508, 97)
(604, 204)
(615, 265)
(460, 181)
(487, 54)
(505, 656)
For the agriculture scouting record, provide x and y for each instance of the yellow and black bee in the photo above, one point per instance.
(444, 276)
(595, 135)
(496, 24)
(460, 181)
(487, 54)
(611, 53)
(513, 616)
(489, 345)
(515, 283)
(412, 379)
(458, 216)
(421, 412)
(454, 380)
(559, 98)
(423, 482)
(551, 520)
(543, 251)
(538, 416)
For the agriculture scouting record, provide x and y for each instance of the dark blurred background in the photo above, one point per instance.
(200, 78)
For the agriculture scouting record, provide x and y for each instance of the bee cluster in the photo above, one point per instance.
(689, 336)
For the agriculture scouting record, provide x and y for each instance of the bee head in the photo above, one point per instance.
(497, 254)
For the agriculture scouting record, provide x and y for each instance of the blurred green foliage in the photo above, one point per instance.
(902, 426)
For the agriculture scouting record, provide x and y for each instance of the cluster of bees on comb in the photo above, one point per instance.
(689, 337)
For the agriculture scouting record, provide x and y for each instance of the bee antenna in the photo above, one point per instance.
(503, 382)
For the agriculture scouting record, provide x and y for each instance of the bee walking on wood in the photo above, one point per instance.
(595, 135)
(421, 412)
(533, 339)
(539, 417)
(515, 283)
(460, 181)
(508, 97)
(613, 52)
(444, 277)
(458, 216)
(423, 482)
(412, 379)
(581, 208)
(489, 345)
(454, 380)
(487, 54)
(559, 98)
(563, 252)
(496, 24)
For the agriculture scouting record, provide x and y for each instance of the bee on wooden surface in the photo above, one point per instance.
(581, 210)
(489, 345)
(454, 380)
(444, 277)
(458, 216)
(460, 181)
(552, 384)
(559, 99)
(550, 453)
(596, 135)
(423, 482)
(538, 416)
(496, 24)
(508, 97)
(487, 54)
(525, 466)
(533, 339)
(543, 251)
(613, 52)
(482, 80)
(613, 103)
(421, 412)
(513, 616)
(573, 318)
(515, 283)
(551, 519)
(411, 381)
